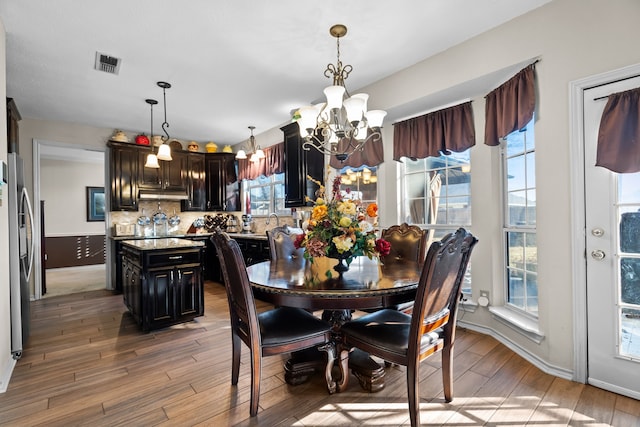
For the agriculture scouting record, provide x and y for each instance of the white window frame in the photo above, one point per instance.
(440, 230)
(274, 180)
(526, 229)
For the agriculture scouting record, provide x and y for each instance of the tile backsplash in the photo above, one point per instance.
(186, 219)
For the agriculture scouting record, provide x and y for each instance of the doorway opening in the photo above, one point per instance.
(70, 254)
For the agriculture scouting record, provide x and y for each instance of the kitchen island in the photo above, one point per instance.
(162, 281)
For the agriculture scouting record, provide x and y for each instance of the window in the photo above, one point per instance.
(437, 192)
(266, 194)
(519, 184)
(361, 183)
(437, 196)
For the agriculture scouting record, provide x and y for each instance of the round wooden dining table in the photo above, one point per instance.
(368, 284)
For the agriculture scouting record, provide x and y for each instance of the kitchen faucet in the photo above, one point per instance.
(277, 219)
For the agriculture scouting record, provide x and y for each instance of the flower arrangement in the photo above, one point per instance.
(341, 228)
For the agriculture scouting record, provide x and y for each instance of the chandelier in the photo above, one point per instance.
(255, 151)
(342, 125)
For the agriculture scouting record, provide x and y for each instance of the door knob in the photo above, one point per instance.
(597, 232)
(597, 254)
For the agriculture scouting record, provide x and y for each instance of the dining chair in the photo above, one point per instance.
(281, 244)
(408, 244)
(409, 339)
(276, 331)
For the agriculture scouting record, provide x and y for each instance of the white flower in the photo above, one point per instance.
(365, 226)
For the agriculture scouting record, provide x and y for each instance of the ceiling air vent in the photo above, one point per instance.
(107, 63)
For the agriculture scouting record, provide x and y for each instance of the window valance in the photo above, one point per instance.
(442, 131)
(272, 163)
(510, 106)
(619, 134)
(372, 154)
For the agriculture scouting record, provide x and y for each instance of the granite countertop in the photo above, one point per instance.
(162, 243)
(256, 236)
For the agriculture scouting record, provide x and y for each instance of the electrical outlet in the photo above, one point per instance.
(484, 300)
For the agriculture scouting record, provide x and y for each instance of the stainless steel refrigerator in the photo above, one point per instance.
(21, 246)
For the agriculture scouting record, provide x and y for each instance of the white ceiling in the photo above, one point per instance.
(230, 63)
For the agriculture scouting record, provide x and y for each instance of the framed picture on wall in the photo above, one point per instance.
(95, 204)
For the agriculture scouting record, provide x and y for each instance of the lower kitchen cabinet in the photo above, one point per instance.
(253, 250)
(162, 287)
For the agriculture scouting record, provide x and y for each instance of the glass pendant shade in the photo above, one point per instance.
(260, 153)
(241, 155)
(364, 97)
(307, 120)
(152, 161)
(375, 118)
(354, 107)
(334, 96)
(164, 152)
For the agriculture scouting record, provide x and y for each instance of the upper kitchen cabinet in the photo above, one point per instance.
(223, 188)
(170, 176)
(196, 183)
(123, 170)
(298, 164)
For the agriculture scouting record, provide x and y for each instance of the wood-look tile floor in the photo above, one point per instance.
(87, 363)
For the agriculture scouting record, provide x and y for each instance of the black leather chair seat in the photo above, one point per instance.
(388, 330)
(301, 326)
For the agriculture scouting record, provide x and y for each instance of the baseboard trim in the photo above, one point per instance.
(541, 364)
(5, 376)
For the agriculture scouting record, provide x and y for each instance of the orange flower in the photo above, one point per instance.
(372, 210)
(319, 212)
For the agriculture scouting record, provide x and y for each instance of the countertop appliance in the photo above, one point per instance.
(21, 246)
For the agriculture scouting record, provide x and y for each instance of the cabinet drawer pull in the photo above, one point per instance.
(176, 257)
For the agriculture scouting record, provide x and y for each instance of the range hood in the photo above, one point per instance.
(162, 195)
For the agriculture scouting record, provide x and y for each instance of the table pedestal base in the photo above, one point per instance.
(368, 372)
(302, 365)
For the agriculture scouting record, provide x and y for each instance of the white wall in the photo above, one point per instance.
(63, 188)
(573, 39)
(6, 361)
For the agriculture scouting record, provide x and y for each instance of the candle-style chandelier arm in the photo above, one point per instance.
(342, 148)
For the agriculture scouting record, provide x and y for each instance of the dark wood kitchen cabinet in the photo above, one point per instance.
(253, 250)
(170, 176)
(223, 188)
(123, 170)
(298, 164)
(196, 183)
(162, 287)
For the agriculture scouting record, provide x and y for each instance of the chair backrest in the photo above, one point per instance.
(440, 282)
(242, 308)
(408, 243)
(281, 244)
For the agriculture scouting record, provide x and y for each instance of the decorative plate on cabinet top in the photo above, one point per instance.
(175, 144)
(119, 136)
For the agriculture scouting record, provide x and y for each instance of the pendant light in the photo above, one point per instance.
(164, 151)
(152, 159)
(255, 150)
